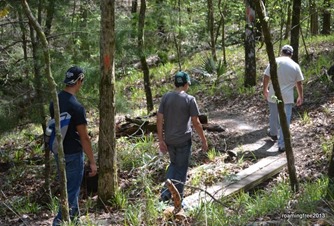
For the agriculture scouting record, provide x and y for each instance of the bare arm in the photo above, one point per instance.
(86, 145)
(300, 97)
(160, 122)
(266, 80)
(199, 129)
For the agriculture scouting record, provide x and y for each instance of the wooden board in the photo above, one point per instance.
(244, 180)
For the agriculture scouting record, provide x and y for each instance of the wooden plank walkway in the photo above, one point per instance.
(244, 180)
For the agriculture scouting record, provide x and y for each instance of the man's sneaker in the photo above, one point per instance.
(281, 150)
(269, 135)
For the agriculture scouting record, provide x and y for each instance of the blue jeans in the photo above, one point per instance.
(179, 156)
(274, 124)
(74, 175)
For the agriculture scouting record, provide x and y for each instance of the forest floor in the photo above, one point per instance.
(245, 119)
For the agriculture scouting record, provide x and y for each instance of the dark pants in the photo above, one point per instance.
(74, 174)
(177, 170)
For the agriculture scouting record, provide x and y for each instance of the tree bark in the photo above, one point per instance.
(273, 75)
(83, 24)
(330, 189)
(160, 22)
(141, 49)
(326, 25)
(52, 86)
(295, 24)
(107, 157)
(211, 30)
(37, 56)
(314, 27)
(49, 18)
(24, 41)
(221, 12)
(288, 21)
(250, 60)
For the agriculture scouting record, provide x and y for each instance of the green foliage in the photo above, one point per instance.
(305, 118)
(313, 192)
(248, 206)
(210, 67)
(53, 205)
(119, 200)
(261, 203)
(75, 40)
(145, 211)
(135, 153)
(132, 214)
(23, 205)
(212, 154)
(326, 145)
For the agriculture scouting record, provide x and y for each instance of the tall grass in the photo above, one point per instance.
(244, 207)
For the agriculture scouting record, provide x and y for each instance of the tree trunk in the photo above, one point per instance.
(39, 100)
(107, 183)
(83, 24)
(146, 71)
(160, 23)
(24, 41)
(49, 18)
(288, 21)
(211, 30)
(282, 23)
(134, 7)
(47, 31)
(221, 12)
(314, 27)
(52, 86)
(330, 189)
(177, 41)
(273, 75)
(250, 61)
(326, 25)
(295, 24)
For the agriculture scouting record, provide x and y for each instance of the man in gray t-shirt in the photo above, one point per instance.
(289, 75)
(176, 112)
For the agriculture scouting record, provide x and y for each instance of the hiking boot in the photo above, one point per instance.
(271, 136)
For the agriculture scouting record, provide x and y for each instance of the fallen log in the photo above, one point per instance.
(147, 124)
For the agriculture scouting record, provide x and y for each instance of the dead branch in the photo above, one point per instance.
(11, 209)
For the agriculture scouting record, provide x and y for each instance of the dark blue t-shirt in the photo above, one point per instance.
(69, 103)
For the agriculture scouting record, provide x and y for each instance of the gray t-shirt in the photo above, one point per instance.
(177, 109)
(288, 73)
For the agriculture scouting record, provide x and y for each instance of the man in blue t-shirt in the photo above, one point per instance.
(75, 142)
(176, 112)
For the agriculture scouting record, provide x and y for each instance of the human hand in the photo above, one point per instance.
(93, 170)
(163, 147)
(299, 101)
(205, 146)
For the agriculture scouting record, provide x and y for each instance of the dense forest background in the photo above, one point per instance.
(174, 30)
(220, 43)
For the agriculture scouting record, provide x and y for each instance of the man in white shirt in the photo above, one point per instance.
(289, 75)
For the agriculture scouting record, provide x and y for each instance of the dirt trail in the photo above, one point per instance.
(244, 134)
